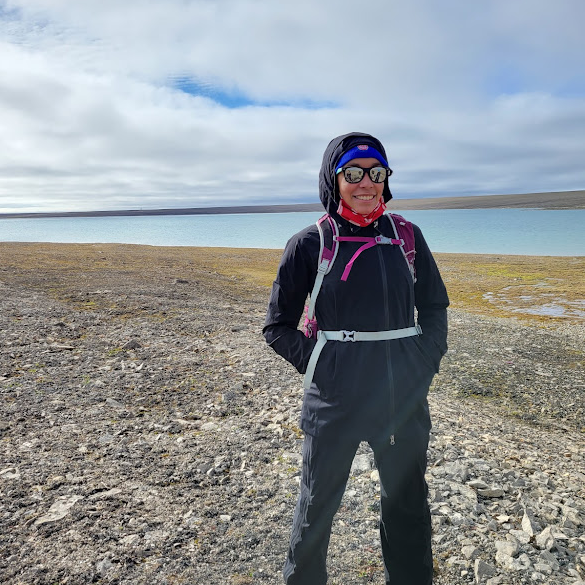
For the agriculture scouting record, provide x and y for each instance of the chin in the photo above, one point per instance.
(364, 210)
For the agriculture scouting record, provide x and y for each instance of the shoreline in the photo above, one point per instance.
(547, 200)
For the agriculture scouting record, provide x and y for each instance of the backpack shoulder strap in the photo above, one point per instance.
(328, 232)
(404, 231)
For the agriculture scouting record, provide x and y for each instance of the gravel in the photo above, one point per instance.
(148, 435)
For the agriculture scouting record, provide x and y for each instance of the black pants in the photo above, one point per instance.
(405, 523)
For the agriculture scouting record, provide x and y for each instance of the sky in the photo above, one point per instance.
(140, 104)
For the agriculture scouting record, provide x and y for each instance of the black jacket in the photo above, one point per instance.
(377, 383)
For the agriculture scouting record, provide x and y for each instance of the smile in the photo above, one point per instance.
(365, 197)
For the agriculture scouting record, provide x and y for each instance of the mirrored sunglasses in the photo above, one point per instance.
(378, 174)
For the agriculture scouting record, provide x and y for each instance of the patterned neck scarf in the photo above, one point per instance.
(345, 211)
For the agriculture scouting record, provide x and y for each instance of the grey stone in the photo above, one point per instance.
(10, 473)
(104, 566)
(509, 548)
(478, 484)
(483, 570)
(132, 344)
(470, 552)
(521, 536)
(209, 426)
(508, 563)
(114, 403)
(361, 464)
(549, 558)
(543, 568)
(457, 470)
(59, 509)
(529, 523)
(545, 540)
(493, 492)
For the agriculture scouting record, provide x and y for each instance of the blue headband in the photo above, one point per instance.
(360, 151)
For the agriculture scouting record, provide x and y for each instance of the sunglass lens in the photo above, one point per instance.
(353, 174)
(378, 174)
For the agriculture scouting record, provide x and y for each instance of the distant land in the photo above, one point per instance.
(552, 200)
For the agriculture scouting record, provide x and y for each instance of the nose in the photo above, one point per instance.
(366, 179)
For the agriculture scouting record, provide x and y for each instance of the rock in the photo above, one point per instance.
(545, 540)
(507, 547)
(114, 403)
(508, 563)
(361, 464)
(529, 523)
(457, 470)
(520, 536)
(543, 568)
(493, 492)
(59, 509)
(104, 566)
(10, 473)
(209, 426)
(470, 552)
(550, 559)
(478, 484)
(130, 540)
(483, 570)
(105, 495)
(132, 344)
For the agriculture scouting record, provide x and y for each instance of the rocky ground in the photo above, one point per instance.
(148, 435)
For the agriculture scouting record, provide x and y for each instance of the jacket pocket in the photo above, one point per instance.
(324, 377)
(425, 354)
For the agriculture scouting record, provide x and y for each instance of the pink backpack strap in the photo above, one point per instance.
(329, 243)
(404, 231)
(370, 242)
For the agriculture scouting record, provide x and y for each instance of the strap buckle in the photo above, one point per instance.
(348, 335)
(386, 240)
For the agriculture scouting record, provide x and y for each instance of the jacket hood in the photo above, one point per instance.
(328, 191)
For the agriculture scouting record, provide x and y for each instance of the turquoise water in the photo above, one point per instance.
(478, 231)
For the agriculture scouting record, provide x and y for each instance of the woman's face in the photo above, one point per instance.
(362, 197)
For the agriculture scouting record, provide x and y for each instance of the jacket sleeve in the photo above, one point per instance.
(431, 300)
(294, 281)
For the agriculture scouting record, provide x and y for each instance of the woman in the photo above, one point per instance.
(368, 390)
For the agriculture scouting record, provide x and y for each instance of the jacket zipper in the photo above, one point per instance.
(387, 344)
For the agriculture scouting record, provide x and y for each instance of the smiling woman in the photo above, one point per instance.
(394, 307)
(361, 183)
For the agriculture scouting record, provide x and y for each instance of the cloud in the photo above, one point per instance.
(192, 103)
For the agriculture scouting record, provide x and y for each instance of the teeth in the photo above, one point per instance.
(364, 197)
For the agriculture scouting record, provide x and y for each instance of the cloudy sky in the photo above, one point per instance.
(109, 104)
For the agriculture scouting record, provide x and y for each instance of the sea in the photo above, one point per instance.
(532, 232)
